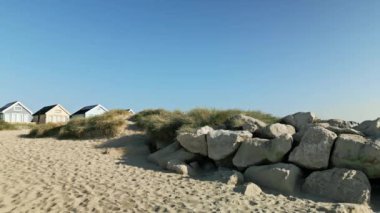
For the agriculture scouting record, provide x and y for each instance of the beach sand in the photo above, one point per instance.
(49, 175)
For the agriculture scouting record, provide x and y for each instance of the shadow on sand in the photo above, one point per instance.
(131, 149)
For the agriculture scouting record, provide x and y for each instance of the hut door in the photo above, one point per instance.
(18, 118)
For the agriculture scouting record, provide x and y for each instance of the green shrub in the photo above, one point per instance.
(140, 117)
(104, 126)
(161, 125)
(73, 129)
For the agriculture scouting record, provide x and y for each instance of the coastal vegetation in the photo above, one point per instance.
(14, 126)
(163, 125)
(108, 125)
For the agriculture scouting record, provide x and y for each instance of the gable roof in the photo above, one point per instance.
(131, 111)
(87, 108)
(6, 106)
(46, 109)
(9, 105)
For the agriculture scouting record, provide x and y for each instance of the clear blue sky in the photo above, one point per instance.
(278, 56)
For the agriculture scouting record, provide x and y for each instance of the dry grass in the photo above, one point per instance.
(14, 126)
(161, 125)
(45, 130)
(7, 126)
(108, 125)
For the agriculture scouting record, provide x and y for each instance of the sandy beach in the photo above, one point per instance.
(49, 175)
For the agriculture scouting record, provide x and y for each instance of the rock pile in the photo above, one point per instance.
(330, 158)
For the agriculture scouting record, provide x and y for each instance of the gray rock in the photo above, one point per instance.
(222, 143)
(276, 130)
(252, 190)
(195, 142)
(195, 165)
(179, 167)
(341, 123)
(171, 152)
(225, 162)
(256, 151)
(281, 177)
(314, 150)
(339, 184)
(244, 122)
(156, 156)
(300, 119)
(301, 132)
(370, 128)
(357, 152)
(208, 165)
(161, 144)
(340, 131)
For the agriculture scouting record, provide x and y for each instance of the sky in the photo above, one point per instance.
(277, 56)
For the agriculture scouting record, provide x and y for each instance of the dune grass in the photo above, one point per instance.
(45, 130)
(7, 126)
(108, 125)
(162, 125)
(15, 126)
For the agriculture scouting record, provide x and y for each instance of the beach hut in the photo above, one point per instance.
(131, 111)
(89, 111)
(52, 114)
(15, 112)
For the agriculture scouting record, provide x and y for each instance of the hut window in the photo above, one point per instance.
(18, 108)
(57, 111)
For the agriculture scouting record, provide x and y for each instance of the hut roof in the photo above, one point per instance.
(85, 109)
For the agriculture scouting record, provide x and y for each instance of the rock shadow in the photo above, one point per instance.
(132, 149)
(375, 196)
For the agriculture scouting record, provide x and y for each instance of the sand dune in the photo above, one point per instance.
(48, 175)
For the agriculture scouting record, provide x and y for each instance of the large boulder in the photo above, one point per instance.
(370, 128)
(357, 152)
(195, 142)
(341, 123)
(281, 177)
(243, 122)
(276, 130)
(339, 184)
(339, 130)
(314, 150)
(222, 143)
(256, 151)
(299, 119)
(171, 152)
(301, 132)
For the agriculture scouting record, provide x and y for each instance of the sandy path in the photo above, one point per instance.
(47, 175)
